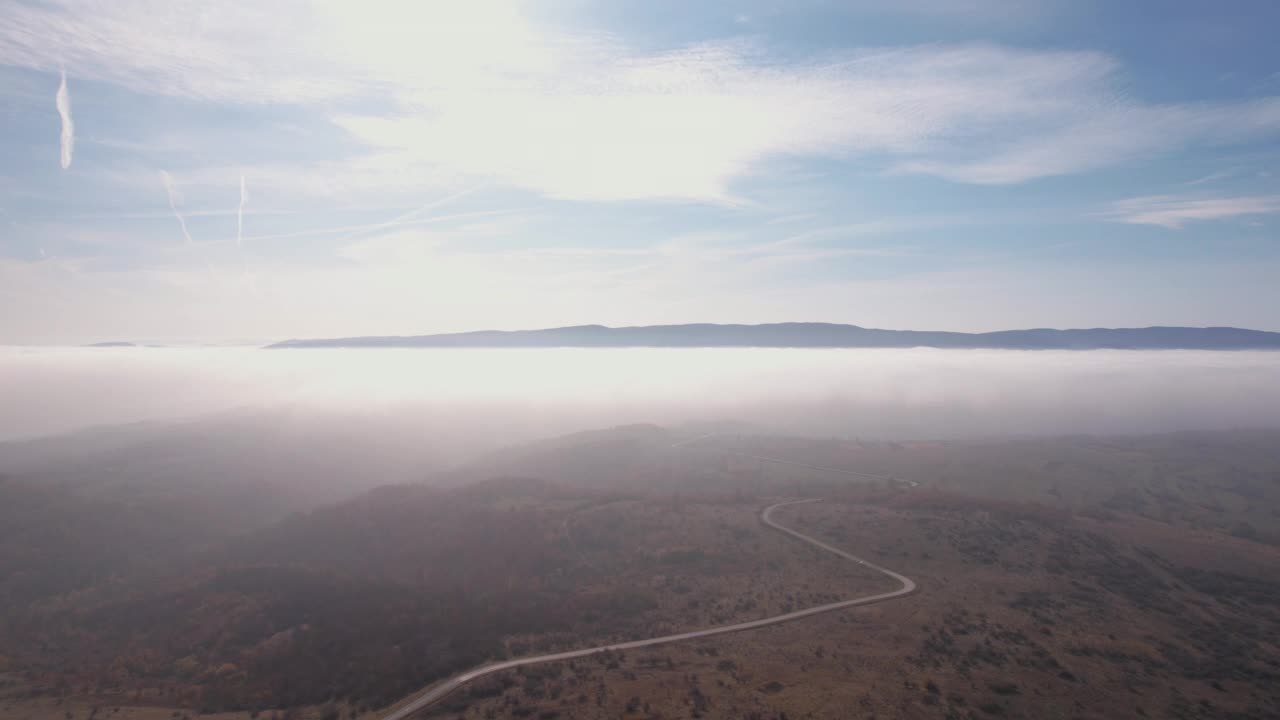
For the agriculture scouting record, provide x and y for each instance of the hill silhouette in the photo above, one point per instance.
(823, 335)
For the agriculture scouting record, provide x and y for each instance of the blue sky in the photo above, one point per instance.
(243, 171)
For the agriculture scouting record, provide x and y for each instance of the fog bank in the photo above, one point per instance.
(485, 398)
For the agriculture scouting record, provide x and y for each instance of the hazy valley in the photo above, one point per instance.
(1093, 576)
(639, 360)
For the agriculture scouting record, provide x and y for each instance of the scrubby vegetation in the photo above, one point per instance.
(1039, 595)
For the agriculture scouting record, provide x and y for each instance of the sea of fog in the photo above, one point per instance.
(492, 397)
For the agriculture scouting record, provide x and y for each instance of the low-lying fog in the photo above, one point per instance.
(478, 399)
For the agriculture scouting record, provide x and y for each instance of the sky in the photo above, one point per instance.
(195, 172)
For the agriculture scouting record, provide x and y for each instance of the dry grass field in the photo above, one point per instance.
(1022, 613)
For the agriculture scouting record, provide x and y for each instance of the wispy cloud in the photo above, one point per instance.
(584, 116)
(244, 200)
(68, 139)
(978, 11)
(1175, 211)
(175, 201)
(152, 215)
(318, 51)
(658, 129)
(406, 217)
(403, 221)
(1214, 176)
(1105, 131)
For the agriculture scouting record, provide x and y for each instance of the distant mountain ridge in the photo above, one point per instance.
(820, 335)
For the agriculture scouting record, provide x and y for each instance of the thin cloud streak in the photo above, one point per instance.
(244, 200)
(175, 201)
(384, 225)
(1213, 177)
(400, 219)
(1098, 136)
(68, 139)
(161, 215)
(1175, 211)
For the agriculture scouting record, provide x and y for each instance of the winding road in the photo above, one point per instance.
(435, 692)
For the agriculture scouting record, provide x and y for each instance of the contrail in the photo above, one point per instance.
(337, 230)
(400, 219)
(244, 200)
(63, 101)
(175, 200)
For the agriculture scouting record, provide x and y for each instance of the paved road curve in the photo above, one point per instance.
(433, 693)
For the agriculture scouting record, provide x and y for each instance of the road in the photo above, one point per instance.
(437, 691)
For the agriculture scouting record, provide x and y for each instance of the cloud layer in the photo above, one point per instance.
(482, 394)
